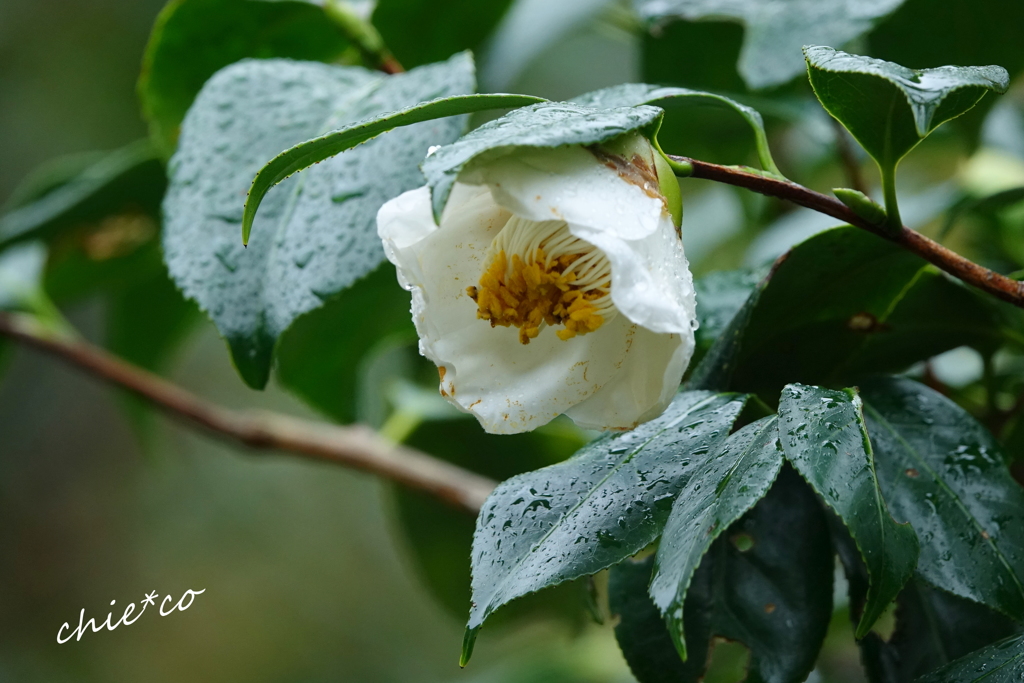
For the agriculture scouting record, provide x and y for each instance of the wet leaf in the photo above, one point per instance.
(316, 232)
(439, 538)
(311, 152)
(193, 39)
(720, 489)
(889, 108)
(641, 632)
(775, 31)
(1002, 662)
(601, 506)
(549, 124)
(933, 628)
(865, 306)
(773, 573)
(953, 32)
(635, 94)
(944, 473)
(824, 435)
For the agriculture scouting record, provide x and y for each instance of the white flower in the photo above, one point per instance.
(555, 283)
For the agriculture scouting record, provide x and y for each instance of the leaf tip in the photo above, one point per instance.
(468, 642)
(675, 629)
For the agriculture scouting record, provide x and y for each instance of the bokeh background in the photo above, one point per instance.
(311, 573)
(306, 578)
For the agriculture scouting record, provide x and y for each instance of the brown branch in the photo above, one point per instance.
(355, 447)
(1000, 286)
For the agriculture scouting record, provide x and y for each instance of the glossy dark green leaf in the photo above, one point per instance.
(549, 124)
(824, 435)
(889, 108)
(130, 179)
(440, 538)
(716, 369)
(641, 632)
(311, 152)
(316, 233)
(193, 39)
(775, 32)
(723, 485)
(422, 32)
(1002, 662)
(601, 506)
(636, 94)
(944, 473)
(933, 628)
(842, 304)
(772, 582)
(925, 32)
(721, 295)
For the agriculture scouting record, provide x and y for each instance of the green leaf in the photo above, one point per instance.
(945, 474)
(933, 628)
(316, 234)
(128, 179)
(603, 505)
(643, 638)
(1002, 662)
(865, 306)
(772, 582)
(775, 31)
(953, 32)
(721, 295)
(889, 108)
(766, 583)
(824, 435)
(193, 39)
(720, 489)
(717, 367)
(319, 357)
(545, 125)
(635, 94)
(310, 152)
(440, 538)
(422, 32)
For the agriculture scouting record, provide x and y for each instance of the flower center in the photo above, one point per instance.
(538, 273)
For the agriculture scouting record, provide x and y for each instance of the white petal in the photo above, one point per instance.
(644, 385)
(570, 184)
(651, 281)
(508, 386)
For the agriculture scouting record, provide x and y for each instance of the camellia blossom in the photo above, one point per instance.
(555, 283)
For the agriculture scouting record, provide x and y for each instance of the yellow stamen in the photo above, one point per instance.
(540, 274)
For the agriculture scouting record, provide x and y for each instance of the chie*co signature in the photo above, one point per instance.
(126, 619)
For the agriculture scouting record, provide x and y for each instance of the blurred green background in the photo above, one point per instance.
(312, 573)
(305, 577)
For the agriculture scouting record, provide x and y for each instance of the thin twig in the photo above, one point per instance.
(997, 285)
(355, 447)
